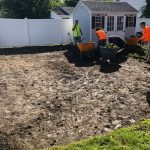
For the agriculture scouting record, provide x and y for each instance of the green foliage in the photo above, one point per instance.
(55, 3)
(146, 11)
(135, 137)
(25, 8)
(112, 46)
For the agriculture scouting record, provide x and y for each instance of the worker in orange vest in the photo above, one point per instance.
(102, 37)
(146, 37)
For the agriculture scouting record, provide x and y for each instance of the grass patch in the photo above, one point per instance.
(136, 137)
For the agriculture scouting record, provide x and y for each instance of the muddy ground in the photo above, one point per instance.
(51, 99)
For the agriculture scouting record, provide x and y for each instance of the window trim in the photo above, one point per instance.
(111, 23)
(120, 23)
(130, 24)
(98, 19)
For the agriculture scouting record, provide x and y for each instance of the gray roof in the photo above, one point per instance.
(59, 11)
(68, 10)
(64, 10)
(97, 6)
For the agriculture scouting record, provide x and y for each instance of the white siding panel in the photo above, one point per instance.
(130, 31)
(83, 15)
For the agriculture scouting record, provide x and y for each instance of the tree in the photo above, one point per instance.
(55, 3)
(71, 3)
(25, 8)
(146, 11)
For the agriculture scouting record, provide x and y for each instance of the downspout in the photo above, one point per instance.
(90, 26)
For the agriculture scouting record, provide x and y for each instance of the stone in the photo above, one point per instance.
(107, 129)
(115, 122)
(132, 121)
(118, 126)
(107, 125)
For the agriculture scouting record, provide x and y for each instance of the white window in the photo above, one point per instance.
(98, 22)
(120, 21)
(130, 21)
(110, 23)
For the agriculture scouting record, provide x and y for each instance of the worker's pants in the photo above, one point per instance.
(101, 43)
(148, 55)
(77, 40)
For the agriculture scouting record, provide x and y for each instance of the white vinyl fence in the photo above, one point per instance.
(139, 20)
(34, 32)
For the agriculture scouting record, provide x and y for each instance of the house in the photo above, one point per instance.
(137, 4)
(62, 13)
(117, 18)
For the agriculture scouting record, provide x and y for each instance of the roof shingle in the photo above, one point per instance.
(64, 10)
(97, 6)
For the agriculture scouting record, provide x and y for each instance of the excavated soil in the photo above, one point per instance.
(49, 99)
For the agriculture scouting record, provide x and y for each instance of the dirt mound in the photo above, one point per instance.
(46, 101)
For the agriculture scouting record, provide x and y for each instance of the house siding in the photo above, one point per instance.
(82, 14)
(121, 34)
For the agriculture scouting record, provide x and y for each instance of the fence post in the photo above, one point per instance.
(27, 31)
(61, 31)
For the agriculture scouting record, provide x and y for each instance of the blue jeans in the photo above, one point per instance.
(77, 40)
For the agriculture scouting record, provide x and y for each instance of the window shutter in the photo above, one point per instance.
(103, 22)
(126, 21)
(93, 22)
(134, 21)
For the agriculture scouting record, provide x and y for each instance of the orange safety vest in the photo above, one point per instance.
(101, 35)
(146, 34)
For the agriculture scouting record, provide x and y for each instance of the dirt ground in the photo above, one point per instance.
(50, 99)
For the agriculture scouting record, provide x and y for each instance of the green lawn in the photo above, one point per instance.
(136, 137)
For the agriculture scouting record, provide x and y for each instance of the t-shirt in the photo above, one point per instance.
(77, 30)
(101, 35)
(146, 34)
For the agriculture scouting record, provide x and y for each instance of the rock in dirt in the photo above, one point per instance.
(118, 126)
(132, 121)
(116, 122)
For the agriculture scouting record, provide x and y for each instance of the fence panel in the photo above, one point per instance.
(67, 28)
(44, 32)
(13, 32)
(34, 32)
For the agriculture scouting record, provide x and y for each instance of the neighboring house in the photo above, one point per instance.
(117, 18)
(62, 13)
(137, 4)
